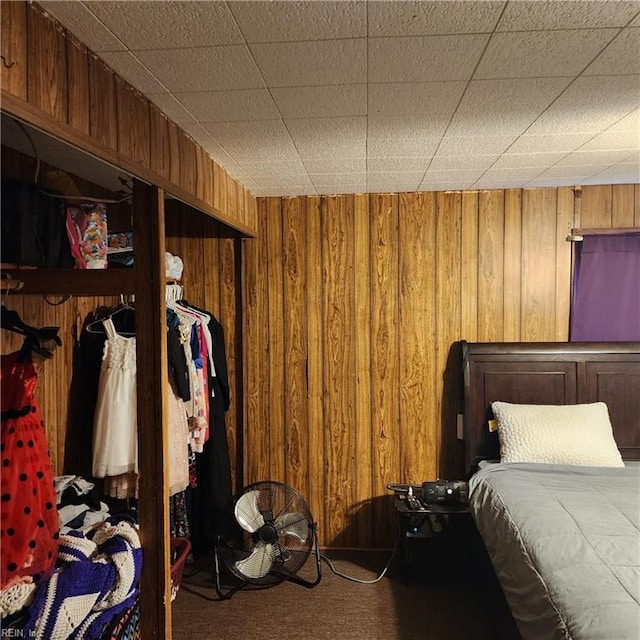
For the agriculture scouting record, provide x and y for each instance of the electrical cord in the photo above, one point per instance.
(359, 580)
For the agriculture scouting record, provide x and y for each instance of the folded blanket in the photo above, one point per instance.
(97, 578)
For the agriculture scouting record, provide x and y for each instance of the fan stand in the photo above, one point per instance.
(309, 584)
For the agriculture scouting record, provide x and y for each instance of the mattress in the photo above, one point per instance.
(565, 544)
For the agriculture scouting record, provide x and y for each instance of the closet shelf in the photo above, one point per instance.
(77, 282)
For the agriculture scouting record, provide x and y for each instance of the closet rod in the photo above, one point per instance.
(577, 235)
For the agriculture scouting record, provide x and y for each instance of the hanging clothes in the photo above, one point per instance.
(115, 437)
(28, 515)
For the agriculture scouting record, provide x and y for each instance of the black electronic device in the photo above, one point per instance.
(445, 492)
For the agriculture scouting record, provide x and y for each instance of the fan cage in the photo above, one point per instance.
(274, 499)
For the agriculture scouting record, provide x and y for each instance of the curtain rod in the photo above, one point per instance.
(577, 235)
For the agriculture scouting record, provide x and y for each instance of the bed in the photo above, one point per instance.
(560, 517)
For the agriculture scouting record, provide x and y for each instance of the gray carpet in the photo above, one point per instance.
(427, 605)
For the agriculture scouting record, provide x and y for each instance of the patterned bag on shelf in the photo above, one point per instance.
(87, 230)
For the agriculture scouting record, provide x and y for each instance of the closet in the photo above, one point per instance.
(211, 252)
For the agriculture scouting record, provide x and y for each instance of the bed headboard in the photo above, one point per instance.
(550, 373)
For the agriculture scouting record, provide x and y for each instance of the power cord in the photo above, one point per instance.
(359, 580)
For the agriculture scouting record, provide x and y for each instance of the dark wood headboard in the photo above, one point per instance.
(550, 373)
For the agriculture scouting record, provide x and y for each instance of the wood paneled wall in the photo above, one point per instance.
(353, 309)
(52, 80)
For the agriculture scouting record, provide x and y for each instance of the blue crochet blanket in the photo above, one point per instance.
(97, 578)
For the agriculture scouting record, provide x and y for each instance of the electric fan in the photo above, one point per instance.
(277, 535)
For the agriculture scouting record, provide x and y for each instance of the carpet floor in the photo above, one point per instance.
(427, 605)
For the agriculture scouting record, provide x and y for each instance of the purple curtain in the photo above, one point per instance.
(606, 289)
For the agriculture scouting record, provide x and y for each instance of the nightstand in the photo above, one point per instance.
(448, 532)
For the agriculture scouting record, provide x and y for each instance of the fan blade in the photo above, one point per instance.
(292, 524)
(259, 563)
(247, 513)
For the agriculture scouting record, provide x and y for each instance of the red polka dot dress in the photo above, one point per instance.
(29, 523)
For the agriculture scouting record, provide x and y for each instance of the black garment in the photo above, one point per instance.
(211, 502)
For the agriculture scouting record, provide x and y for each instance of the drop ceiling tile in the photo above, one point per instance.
(473, 145)
(321, 102)
(462, 163)
(416, 127)
(541, 53)
(328, 137)
(616, 174)
(267, 192)
(293, 182)
(428, 98)
(490, 124)
(273, 169)
(518, 175)
(410, 179)
(593, 158)
(503, 96)
(397, 164)
(418, 18)
(452, 175)
(78, 18)
(169, 105)
(444, 185)
(590, 104)
(558, 142)
(342, 188)
(613, 140)
(336, 165)
(297, 64)
(630, 122)
(402, 148)
(525, 16)
(546, 181)
(229, 106)
(324, 180)
(527, 160)
(204, 68)
(635, 22)
(622, 55)
(295, 20)
(633, 158)
(142, 25)
(254, 141)
(133, 71)
(424, 58)
(575, 172)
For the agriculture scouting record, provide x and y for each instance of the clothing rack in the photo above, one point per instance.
(577, 235)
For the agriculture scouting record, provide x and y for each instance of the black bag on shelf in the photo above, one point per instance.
(33, 227)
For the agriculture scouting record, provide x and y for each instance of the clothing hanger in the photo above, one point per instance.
(97, 326)
(34, 337)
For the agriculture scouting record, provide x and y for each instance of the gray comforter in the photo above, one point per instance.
(565, 544)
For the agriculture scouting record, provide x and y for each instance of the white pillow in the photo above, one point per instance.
(576, 434)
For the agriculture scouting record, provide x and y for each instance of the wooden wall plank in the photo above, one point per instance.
(315, 350)
(448, 284)
(512, 255)
(187, 154)
(491, 266)
(339, 361)
(539, 264)
(256, 452)
(384, 355)
(563, 263)
(134, 128)
(102, 92)
(159, 147)
(596, 206)
(78, 83)
(219, 188)
(469, 275)
(47, 65)
(174, 152)
(622, 205)
(295, 345)
(417, 323)
(363, 339)
(13, 44)
(275, 369)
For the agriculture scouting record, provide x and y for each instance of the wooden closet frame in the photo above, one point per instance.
(52, 82)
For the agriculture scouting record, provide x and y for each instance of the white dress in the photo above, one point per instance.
(115, 434)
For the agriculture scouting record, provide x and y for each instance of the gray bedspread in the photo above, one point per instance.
(565, 544)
